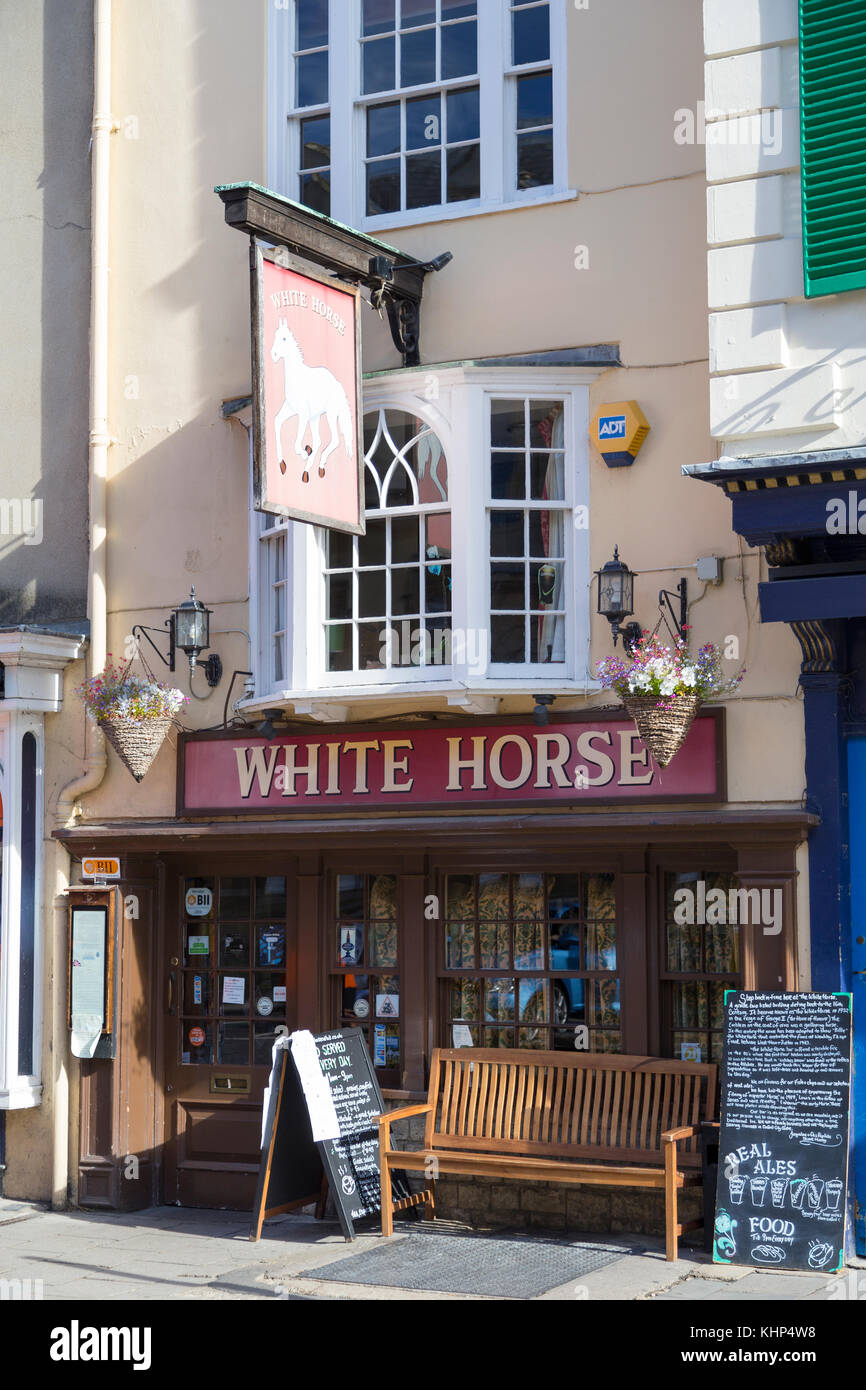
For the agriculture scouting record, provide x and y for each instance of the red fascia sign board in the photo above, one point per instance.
(573, 761)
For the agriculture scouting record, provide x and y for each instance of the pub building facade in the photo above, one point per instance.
(404, 803)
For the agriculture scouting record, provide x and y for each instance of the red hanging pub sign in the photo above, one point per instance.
(573, 761)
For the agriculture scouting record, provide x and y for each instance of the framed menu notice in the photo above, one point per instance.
(91, 978)
(783, 1139)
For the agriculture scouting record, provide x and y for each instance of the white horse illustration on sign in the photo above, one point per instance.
(311, 392)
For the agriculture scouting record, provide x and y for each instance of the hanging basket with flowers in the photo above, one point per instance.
(134, 712)
(664, 687)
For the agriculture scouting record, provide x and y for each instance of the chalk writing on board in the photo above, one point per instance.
(783, 1136)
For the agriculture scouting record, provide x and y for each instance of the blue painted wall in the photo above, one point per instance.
(857, 824)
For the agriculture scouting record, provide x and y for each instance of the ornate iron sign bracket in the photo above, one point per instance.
(395, 280)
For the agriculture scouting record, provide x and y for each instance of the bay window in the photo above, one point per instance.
(473, 572)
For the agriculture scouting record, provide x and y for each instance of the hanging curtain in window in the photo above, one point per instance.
(432, 471)
(551, 628)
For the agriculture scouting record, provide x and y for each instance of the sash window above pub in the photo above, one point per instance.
(311, 84)
(388, 112)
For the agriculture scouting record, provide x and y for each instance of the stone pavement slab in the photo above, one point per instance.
(171, 1253)
(752, 1287)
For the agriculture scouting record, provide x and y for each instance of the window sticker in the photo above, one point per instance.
(198, 902)
(233, 989)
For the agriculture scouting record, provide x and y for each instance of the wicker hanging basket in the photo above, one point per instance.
(664, 731)
(136, 741)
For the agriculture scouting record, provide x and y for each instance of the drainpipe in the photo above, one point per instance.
(96, 758)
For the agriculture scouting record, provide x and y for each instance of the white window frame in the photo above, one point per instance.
(19, 1090)
(537, 670)
(34, 663)
(455, 403)
(496, 75)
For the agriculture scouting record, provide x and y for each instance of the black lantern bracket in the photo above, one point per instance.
(665, 596)
(616, 599)
(212, 666)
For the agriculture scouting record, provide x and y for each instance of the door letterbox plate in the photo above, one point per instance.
(223, 1083)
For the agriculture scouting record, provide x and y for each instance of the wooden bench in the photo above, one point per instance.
(564, 1117)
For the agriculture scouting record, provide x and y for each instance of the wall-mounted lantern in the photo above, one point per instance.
(616, 599)
(188, 632)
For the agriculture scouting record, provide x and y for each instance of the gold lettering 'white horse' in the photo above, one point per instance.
(311, 392)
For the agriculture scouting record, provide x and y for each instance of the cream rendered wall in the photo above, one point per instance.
(191, 78)
(45, 106)
(188, 92)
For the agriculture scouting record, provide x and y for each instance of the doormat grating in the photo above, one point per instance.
(495, 1266)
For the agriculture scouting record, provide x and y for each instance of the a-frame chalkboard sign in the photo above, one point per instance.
(293, 1159)
(290, 1172)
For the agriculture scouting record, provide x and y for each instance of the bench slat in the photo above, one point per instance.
(655, 1108)
(588, 1092)
(495, 1165)
(672, 1113)
(474, 1144)
(510, 1101)
(563, 1082)
(545, 1102)
(597, 1099)
(616, 1107)
(493, 1075)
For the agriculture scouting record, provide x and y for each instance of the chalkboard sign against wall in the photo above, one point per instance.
(352, 1160)
(783, 1141)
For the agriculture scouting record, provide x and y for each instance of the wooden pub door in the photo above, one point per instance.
(228, 959)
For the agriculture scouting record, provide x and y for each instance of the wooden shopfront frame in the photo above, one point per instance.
(419, 842)
(758, 847)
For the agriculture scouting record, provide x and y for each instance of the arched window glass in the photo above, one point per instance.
(388, 593)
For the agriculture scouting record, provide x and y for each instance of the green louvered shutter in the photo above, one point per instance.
(833, 133)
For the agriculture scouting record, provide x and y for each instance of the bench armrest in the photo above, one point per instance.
(671, 1136)
(404, 1114)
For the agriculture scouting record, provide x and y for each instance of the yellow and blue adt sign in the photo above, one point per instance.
(618, 432)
